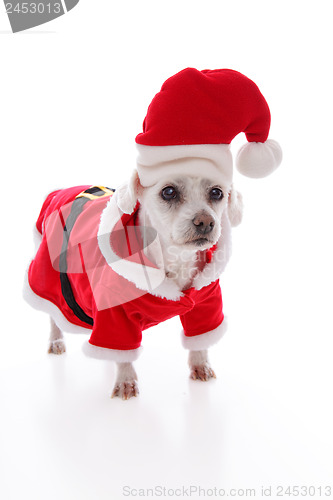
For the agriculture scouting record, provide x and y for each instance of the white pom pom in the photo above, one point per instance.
(259, 159)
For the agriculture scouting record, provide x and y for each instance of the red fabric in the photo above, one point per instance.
(120, 325)
(43, 277)
(206, 107)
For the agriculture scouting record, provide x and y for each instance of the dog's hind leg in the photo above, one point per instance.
(57, 344)
(126, 384)
(199, 366)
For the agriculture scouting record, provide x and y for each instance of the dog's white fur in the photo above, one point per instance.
(174, 222)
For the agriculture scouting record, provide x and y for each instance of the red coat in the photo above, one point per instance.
(117, 292)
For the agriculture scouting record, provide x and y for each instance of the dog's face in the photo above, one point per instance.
(185, 211)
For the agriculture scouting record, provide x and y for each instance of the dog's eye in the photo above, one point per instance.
(169, 193)
(216, 194)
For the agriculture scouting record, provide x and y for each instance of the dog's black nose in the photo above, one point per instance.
(203, 223)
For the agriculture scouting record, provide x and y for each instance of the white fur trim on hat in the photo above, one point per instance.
(259, 159)
(103, 353)
(156, 162)
(204, 340)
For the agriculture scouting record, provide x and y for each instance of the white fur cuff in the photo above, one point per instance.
(121, 356)
(204, 340)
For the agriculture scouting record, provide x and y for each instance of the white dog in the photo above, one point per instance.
(188, 214)
(119, 262)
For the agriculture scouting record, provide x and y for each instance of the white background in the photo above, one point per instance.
(73, 95)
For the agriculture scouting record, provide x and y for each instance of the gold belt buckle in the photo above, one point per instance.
(91, 196)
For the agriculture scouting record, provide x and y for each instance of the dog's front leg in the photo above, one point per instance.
(126, 383)
(199, 366)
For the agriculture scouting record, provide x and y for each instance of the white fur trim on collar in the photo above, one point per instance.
(155, 162)
(152, 279)
(144, 277)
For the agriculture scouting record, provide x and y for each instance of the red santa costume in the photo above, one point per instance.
(91, 271)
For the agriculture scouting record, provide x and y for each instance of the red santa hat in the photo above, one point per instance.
(191, 122)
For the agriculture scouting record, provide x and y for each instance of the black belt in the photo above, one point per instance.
(81, 199)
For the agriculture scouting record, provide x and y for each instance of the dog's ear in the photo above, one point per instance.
(127, 194)
(235, 207)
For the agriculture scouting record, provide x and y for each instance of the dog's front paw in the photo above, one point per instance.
(202, 372)
(57, 347)
(125, 390)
